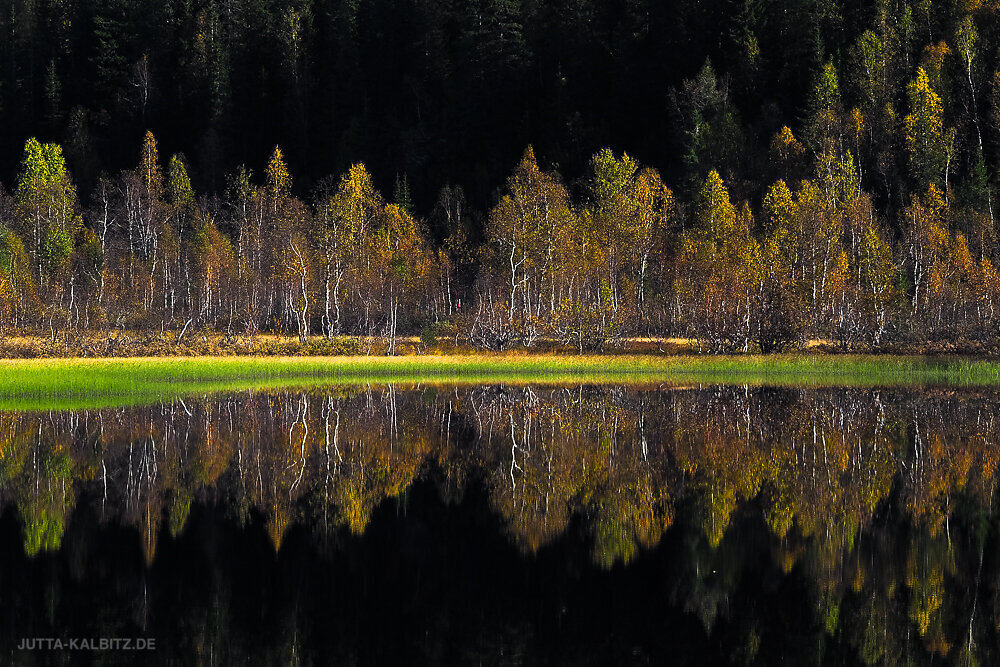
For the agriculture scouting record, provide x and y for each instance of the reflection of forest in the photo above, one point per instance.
(882, 499)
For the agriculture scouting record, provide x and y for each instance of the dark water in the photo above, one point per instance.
(507, 525)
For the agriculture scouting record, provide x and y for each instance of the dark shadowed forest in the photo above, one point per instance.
(750, 175)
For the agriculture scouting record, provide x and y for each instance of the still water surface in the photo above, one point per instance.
(508, 525)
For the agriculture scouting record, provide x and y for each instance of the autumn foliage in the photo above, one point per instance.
(615, 256)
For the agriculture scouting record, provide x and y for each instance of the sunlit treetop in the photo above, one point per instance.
(278, 182)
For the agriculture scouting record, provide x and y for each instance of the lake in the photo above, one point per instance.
(435, 524)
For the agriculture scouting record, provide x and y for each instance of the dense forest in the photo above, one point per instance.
(748, 174)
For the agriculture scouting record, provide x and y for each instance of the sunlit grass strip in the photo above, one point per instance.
(118, 381)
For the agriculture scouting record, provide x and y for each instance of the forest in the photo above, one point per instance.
(503, 173)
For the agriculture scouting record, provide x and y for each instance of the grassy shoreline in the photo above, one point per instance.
(38, 383)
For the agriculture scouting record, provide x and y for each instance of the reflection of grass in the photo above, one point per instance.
(97, 382)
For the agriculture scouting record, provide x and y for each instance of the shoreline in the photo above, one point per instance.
(99, 382)
(132, 345)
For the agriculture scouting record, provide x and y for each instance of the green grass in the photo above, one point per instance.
(56, 383)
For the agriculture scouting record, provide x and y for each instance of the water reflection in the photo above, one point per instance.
(866, 515)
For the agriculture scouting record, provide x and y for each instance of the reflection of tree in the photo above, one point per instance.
(45, 507)
(559, 453)
(37, 471)
(631, 515)
(832, 481)
(928, 560)
(377, 457)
